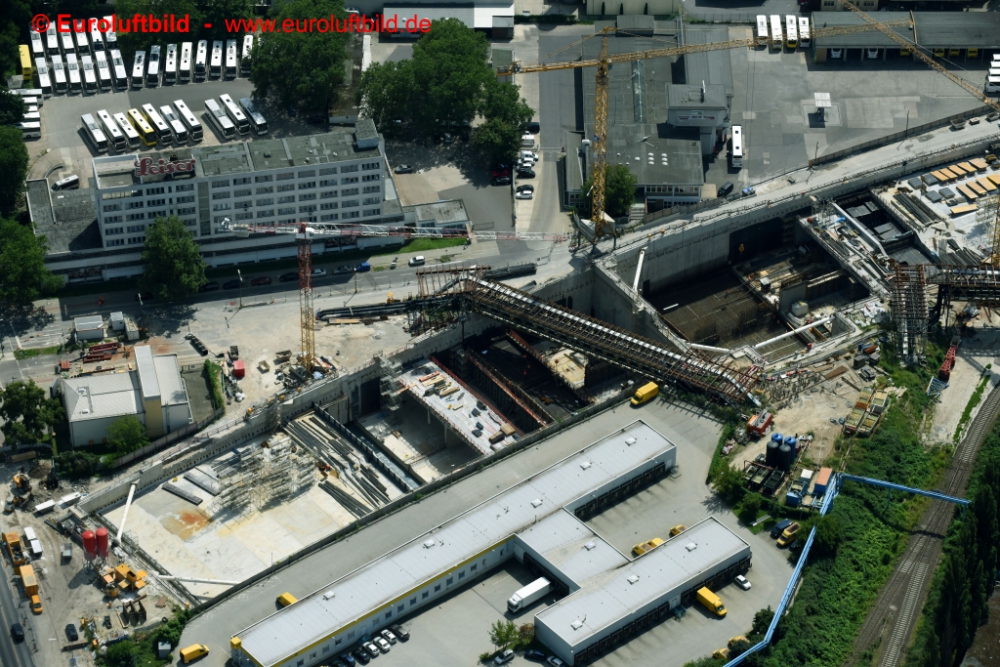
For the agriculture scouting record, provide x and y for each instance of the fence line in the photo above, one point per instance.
(168, 439)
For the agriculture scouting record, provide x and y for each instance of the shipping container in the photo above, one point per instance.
(822, 481)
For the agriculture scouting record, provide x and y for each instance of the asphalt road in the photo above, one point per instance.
(12, 611)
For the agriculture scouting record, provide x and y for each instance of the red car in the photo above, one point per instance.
(260, 280)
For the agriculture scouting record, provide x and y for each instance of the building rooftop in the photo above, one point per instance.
(474, 15)
(502, 59)
(147, 372)
(487, 526)
(223, 160)
(689, 96)
(712, 67)
(654, 160)
(957, 29)
(573, 548)
(67, 218)
(100, 396)
(612, 594)
(168, 374)
(449, 211)
(868, 39)
(574, 163)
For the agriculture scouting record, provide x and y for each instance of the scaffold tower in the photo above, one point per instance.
(389, 386)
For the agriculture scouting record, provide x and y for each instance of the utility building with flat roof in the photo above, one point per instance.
(538, 522)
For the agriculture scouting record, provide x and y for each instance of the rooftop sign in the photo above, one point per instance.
(146, 167)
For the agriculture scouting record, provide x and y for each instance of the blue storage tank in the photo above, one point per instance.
(777, 437)
(792, 499)
(792, 442)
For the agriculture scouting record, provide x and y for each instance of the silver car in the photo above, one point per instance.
(382, 644)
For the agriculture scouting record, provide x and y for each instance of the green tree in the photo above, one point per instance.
(215, 13)
(127, 434)
(174, 268)
(386, 93)
(829, 535)
(23, 276)
(506, 114)
(11, 107)
(739, 647)
(76, 464)
(302, 67)
(750, 507)
(729, 485)
(122, 654)
(451, 73)
(28, 414)
(13, 167)
(761, 622)
(15, 16)
(619, 190)
(503, 634)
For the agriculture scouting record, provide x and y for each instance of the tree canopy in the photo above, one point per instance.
(619, 191)
(15, 15)
(503, 634)
(215, 13)
(13, 167)
(449, 73)
(304, 68)
(23, 276)
(140, 40)
(173, 267)
(127, 434)
(28, 413)
(11, 107)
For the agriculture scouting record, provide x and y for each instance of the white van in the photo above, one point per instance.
(528, 141)
(419, 260)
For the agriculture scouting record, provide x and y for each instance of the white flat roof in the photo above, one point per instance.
(355, 596)
(100, 396)
(573, 548)
(147, 371)
(611, 596)
(168, 376)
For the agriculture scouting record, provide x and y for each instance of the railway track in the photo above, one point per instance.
(892, 620)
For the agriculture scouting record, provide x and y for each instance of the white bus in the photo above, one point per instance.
(67, 42)
(736, 147)
(37, 46)
(32, 117)
(175, 123)
(82, 45)
(153, 67)
(993, 84)
(201, 61)
(215, 64)
(139, 69)
(219, 119)
(247, 48)
(96, 38)
(30, 130)
(170, 66)
(52, 40)
(163, 133)
(235, 114)
(803, 31)
(761, 27)
(791, 32)
(184, 72)
(112, 131)
(110, 36)
(231, 58)
(777, 40)
(103, 70)
(73, 68)
(131, 136)
(192, 123)
(118, 71)
(89, 73)
(58, 74)
(257, 122)
(42, 76)
(94, 133)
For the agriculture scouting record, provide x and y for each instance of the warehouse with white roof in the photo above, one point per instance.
(538, 521)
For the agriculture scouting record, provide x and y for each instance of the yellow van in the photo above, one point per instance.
(645, 393)
(939, 53)
(286, 599)
(193, 652)
(36, 604)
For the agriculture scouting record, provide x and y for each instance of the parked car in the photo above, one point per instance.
(725, 188)
(779, 527)
(448, 138)
(403, 169)
(372, 649)
(400, 632)
(288, 277)
(525, 173)
(742, 582)
(526, 188)
(555, 662)
(349, 660)
(749, 192)
(524, 195)
(71, 633)
(504, 657)
(534, 127)
(502, 180)
(231, 284)
(788, 535)
(318, 272)
(836, 53)
(382, 644)
(343, 269)
(209, 287)
(362, 656)
(363, 266)
(261, 280)
(388, 636)
(536, 656)
(678, 529)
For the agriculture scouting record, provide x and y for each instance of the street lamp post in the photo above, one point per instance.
(240, 276)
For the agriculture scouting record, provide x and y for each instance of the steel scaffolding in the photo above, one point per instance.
(909, 311)
(258, 476)
(389, 386)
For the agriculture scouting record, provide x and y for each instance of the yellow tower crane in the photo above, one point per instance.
(994, 259)
(603, 224)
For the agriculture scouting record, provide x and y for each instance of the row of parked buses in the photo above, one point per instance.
(791, 33)
(82, 70)
(170, 125)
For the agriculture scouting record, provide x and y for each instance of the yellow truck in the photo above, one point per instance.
(30, 584)
(711, 602)
(193, 652)
(788, 535)
(645, 394)
(286, 599)
(14, 548)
